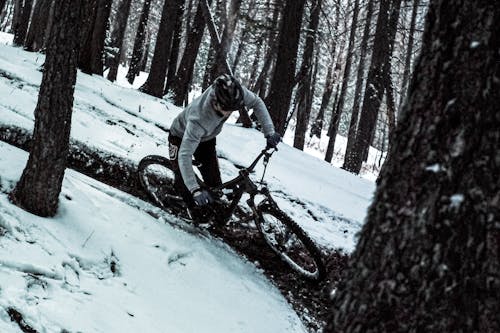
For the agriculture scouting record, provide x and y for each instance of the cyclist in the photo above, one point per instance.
(194, 130)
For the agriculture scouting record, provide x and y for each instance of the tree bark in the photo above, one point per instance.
(39, 25)
(304, 89)
(334, 124)
(428, 257)
(155, 83)
(117, 36)
(20, 33)
(140, 36)
(284, 74)
(353, 124)
(38, 189)
(185, 71)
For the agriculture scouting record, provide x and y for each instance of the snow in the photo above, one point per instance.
(59, 272)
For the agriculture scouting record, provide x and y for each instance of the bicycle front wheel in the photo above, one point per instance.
(285, 237)
(157, 180)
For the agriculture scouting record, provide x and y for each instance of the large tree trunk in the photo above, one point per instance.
(334, 124)
(428, 257)
(39, 25)
(180, 88)
(304, 89)
(117, 36)
(284, 73)
(374, 89)
(155, 84)
(38, 189)
(20, 33)
(353, 124)
(140, 36)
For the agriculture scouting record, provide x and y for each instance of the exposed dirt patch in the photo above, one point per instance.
(310, 300)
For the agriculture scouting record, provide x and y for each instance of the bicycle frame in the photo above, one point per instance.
(243, 184)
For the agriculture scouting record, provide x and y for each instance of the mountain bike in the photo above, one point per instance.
(283, 235)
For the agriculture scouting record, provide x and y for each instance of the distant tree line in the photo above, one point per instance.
(322, 66)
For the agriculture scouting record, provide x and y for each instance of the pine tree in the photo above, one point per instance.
(38, 189)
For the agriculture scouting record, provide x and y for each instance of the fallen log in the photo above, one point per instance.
(112, 170)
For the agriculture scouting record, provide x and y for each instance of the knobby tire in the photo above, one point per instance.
(313, 253)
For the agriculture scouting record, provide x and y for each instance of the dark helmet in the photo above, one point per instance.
(228, 92)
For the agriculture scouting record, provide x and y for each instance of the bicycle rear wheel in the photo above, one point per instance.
(157, 179)
(290, 242)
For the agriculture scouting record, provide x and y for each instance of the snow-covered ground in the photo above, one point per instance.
(103, 266)
(59, 271)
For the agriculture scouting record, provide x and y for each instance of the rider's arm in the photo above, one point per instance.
(190, 141)
(252, 101)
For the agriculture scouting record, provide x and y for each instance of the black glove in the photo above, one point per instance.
(273, 140)
(202, 197)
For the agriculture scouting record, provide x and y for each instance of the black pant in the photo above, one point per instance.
(205, 155)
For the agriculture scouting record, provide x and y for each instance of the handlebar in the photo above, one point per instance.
(267, 152)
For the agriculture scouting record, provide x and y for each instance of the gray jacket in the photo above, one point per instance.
(199, 122)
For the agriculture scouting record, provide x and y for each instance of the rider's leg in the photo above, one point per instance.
(209, 168)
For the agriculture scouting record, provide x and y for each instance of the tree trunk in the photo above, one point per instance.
(284, 75)
(20, 34)
(174, 51)
(117, 36)
(409, 51)
(39, 25)
(353, 124)
(334, 124)
(214, 25)
(16, 16)
(140, 36)
(374, 89)
(317, 125)
(88, 22)
(180, 88)
(304, 89)
(428, 257)
(99, 36)
(155, 84)
(38, 189)
(389, 89)
(272, 42)
(2, 4)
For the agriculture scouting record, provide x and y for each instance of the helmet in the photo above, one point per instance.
(228, 92)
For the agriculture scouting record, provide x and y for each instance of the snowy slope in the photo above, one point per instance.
(102, 266)
(131, 124)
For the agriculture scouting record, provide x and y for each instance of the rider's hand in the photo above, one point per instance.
(202, 197)
(273, 140)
